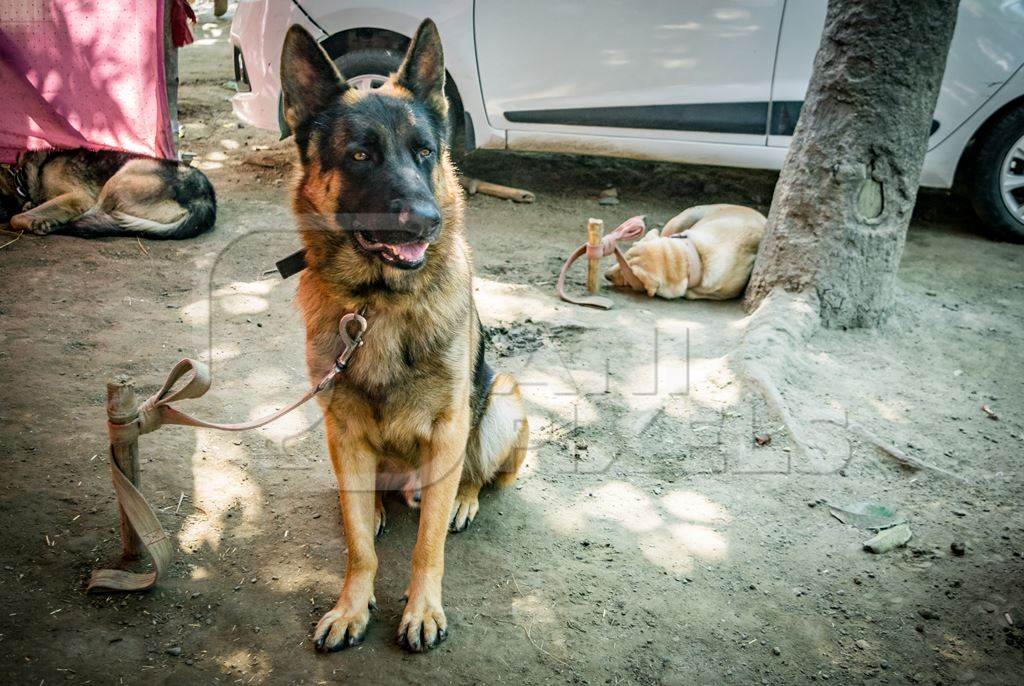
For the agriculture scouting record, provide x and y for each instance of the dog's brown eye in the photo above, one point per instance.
(360, 156)
(425, 152)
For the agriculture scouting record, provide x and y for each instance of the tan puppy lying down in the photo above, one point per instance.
(705, 252)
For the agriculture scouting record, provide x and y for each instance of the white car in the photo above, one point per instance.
(702, 81)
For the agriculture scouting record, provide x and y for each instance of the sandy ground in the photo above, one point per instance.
(649, 540)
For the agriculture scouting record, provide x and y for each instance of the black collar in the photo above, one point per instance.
(291, 265)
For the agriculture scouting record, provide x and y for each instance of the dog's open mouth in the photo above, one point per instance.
(410, 255)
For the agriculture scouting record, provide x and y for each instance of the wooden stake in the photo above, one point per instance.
(122, 409)
(171, 74)
(595, 231)
(474, 186)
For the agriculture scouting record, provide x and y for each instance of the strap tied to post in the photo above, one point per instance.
(156, 411)
(628, 230)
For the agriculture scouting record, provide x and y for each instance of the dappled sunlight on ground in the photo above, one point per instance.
(672, 532)
(221, 489)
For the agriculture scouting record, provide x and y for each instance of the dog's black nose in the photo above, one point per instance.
(418, 218)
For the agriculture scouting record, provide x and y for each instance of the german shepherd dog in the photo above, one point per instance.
(106, 193)
(380, 213)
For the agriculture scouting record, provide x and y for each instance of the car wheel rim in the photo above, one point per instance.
(365, 82)
(1011, 180)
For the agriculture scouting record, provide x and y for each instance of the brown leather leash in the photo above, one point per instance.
(626, 231)
(157, 411)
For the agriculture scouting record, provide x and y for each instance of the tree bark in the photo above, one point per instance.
(839, 217)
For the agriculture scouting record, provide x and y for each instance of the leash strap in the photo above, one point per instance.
(156, 411)
(626, 231)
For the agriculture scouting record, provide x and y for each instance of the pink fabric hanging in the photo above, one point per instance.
(82, 73)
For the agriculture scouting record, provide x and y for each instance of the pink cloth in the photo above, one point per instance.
(83, 74)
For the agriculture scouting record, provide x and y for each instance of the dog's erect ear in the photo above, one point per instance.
(422, 71)
(309, 80)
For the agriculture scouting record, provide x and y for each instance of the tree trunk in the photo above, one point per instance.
(839, 216)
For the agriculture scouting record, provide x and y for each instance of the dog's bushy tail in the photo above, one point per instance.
(191, 190)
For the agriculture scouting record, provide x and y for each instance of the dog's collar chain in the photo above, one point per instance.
(20, 180)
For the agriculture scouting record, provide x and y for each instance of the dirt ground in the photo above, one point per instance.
(650, 540)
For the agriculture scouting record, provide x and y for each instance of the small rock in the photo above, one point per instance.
(776, 650)
(862, 644)
(928, 614)
(889, 539)
(608, 201)
(958, 548)
(174, 651)
(609, 193)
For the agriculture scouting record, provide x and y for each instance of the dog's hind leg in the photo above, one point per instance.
(54, 213)
(686, 219)
(496, 450)
(380, 516)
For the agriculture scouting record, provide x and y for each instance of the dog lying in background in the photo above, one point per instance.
(106, 193)
(704, 253)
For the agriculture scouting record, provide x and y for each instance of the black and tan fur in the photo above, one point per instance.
(106, 193)
(418, 403)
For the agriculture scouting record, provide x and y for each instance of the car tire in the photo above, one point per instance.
(996, 178)
(369, 68)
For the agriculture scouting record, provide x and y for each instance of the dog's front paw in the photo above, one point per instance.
(424, 625)
(342, 627)
(40, 227)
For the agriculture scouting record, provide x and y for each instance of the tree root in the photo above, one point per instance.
(892, 451)
(780, 329)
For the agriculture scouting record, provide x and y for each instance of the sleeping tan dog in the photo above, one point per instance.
(705, 252)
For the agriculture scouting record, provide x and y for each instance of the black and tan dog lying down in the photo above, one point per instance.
(704, 253)
(105, 193)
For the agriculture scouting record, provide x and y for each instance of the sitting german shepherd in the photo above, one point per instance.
(380, 213)
(106, 193)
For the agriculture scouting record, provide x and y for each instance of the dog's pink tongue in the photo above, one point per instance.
(410, 252)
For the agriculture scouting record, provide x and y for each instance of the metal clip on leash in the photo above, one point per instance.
(351, 343)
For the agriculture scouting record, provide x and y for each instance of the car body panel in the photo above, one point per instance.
(688, 80)
(615, 58)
